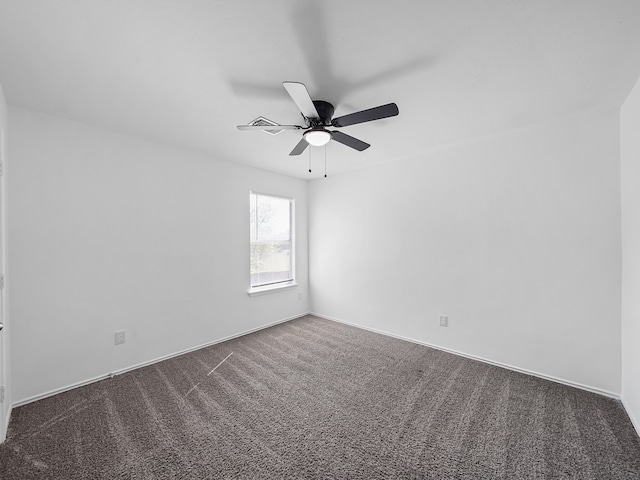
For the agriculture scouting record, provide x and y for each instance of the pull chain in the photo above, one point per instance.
(325, 161)
(310, 159)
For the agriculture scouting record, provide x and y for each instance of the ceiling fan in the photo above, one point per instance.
(318, 115)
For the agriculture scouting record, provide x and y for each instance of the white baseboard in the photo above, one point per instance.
(444, 349)
(56, 391)
(633, 419)
(480, 359)
(3, 435)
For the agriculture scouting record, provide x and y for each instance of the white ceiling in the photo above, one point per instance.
(186, 72)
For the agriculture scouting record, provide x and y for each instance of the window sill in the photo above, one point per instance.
(254, 292)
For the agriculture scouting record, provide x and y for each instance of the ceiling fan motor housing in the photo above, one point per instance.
(325, 111)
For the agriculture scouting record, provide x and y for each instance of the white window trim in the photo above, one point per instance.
(276, 287)
(282, 286)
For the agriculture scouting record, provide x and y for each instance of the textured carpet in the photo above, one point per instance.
(312, 398)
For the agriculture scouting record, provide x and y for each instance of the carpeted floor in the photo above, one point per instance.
(313, 398)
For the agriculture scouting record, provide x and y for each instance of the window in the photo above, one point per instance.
(271, 241)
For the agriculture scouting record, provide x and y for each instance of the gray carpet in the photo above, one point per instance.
(313, 398)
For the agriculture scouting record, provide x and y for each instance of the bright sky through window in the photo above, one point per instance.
(271, 240)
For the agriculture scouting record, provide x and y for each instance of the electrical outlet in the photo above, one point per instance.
(119, 337)
(444, 321)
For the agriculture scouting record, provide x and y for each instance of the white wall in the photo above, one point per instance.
(515, 237)
(5, 356)
(112, 232)
(630, 175)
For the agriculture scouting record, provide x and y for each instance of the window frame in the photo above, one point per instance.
(283, 285)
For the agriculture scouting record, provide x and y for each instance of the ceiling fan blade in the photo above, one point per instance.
(299, 148)
(269, 128)
(349, 141)
(300, 95)
(376, 113)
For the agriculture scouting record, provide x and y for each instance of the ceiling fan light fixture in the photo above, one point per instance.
(317, 137)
